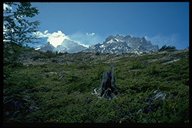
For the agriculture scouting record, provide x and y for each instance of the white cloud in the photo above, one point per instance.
(57, 38)
(87, 39)
(90, 34)
(80, 43)
(6, 7)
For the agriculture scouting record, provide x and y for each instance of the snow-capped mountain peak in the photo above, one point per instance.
(124, 44)
(117, 44)
(67, 46)
(110, 41)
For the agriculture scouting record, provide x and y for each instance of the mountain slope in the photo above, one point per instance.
(124, 44)
(67, 46)
(47, 47)
(57, 88)
(72, 46)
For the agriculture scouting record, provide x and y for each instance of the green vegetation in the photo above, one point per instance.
(60, 91)
(17, 27)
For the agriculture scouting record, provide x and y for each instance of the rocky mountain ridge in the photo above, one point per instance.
(115, 44)
(119, 44)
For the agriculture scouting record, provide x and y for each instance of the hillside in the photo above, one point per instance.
(47, 87)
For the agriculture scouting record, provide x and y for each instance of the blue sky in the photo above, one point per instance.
(90, 23)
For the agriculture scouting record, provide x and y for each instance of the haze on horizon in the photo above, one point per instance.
(90, 23)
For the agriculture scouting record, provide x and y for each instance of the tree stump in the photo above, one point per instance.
(108, 87)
